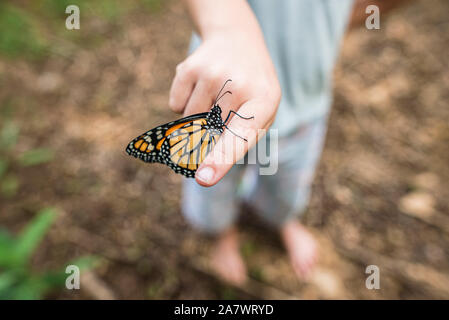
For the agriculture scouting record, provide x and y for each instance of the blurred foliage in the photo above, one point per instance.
(154, 291)
(248, 248)
(38, 29)
(35, 157)
(18, 35)
(256, 273)
(17, 280)
(9, 185)
(9, 135)
(228, 293)
(10, 161)
(153, 5)
(3, 167)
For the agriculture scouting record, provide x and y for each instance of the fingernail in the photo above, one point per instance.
(205, 174)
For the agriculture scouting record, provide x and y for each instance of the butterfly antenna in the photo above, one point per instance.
(235, 134)
(216, 99)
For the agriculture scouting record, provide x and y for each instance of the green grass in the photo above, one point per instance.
(11, 161)
(9, 186)
(35, 157)
(9, 134)
(153, 6)
(17, 279)
(248, 249)
(38, 29)
(256, 273)
(228, 293)
(18, 35)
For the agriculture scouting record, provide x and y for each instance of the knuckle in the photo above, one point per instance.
(185, 69)
(239, 87)
(211, 74)
(180, 67)
(272, 91)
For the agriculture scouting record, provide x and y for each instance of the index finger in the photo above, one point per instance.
(230, 148)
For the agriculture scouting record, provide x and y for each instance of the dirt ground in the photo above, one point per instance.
(380, 195)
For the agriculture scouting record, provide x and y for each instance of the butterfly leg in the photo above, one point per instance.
(232, 111)
(235, 134)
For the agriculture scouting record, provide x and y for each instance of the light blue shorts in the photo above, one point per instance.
(277, 198)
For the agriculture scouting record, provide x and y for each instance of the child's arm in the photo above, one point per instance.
(233, 48)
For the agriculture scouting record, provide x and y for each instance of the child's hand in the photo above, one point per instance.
(236, 52)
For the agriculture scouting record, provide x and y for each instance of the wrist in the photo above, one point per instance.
(221, 17)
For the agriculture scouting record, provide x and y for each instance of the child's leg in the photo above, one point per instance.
(283, 196)
(214, 210)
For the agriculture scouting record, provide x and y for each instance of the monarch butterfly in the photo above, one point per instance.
(183, 144)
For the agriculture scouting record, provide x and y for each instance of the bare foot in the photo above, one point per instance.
(226, 259)
(301, 247)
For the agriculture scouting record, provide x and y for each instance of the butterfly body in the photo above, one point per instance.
(182, 144)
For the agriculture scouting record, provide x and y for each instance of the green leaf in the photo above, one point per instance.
(3, 166)
(153, 5)
(8, 106)
(9, 135)
(54, 279)
(32, 235)
(6, 249)
(7, 279)
(17, 281)
(9, 186)
(85, 262)
(5, 238)
(108, 9)
(57, 7)
(30, 288)
(35, 157)
(18, 35)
